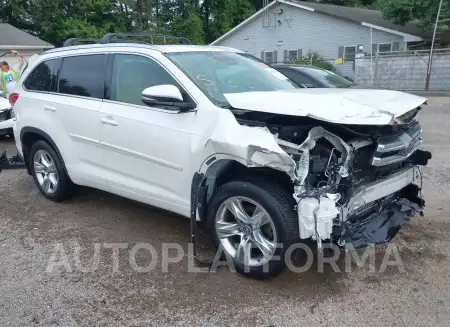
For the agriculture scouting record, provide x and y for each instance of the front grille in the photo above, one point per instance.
(398, 147)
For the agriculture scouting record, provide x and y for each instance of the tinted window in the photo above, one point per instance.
(41, 77)
(327, 78)
(298, 78)
(132, 74)
(83, 75)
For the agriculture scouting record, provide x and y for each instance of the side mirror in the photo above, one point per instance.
(165, 96)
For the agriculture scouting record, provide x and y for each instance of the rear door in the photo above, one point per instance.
(74, 110)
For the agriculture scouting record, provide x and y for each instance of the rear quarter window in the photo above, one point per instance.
(83, 76)
(40, 79)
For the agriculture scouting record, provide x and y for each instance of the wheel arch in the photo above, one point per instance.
(220, 169)
(28, 136)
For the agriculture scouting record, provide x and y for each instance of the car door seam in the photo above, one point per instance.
(84, 139)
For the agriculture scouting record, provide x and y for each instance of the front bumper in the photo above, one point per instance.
(377, 211)
(368, 194)
(379, 227)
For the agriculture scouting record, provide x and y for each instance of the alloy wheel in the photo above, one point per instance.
(45, 171)
(246, 231)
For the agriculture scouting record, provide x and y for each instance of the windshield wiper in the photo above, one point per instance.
(224, 105)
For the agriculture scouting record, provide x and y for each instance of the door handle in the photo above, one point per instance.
(49, 107)
(109, 121)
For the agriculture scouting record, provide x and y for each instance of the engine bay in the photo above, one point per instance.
(349, 179)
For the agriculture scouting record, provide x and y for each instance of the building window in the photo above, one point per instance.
(350, 52)
(292, 55)
(268, 57)
(385, 47)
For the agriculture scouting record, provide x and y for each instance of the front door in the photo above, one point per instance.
(146, 149)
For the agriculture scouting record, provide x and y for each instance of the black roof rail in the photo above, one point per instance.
(128, 41)
(109, 38)
(70, 42)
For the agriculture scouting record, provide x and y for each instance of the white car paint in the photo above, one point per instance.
(151, 155)
(4, 104)
(343, 106)
(7, 123)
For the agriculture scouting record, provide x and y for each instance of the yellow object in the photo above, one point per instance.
(339, 61)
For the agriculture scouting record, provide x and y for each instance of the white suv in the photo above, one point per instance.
(216, 135)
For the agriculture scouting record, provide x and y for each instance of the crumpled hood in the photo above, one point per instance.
(343, 106)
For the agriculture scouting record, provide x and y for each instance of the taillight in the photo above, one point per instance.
(13, 97)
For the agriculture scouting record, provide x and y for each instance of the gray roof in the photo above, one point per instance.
(373, 17)
(11, 36)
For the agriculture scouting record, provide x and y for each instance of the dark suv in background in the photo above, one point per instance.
(313, 77)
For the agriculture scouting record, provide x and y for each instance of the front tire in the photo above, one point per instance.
(254, 222)
(48, 172)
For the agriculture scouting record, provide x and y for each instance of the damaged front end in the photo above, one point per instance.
(353, 184)
(359, 191)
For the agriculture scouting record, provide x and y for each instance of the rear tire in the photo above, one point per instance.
(271, 219)
(48, 172)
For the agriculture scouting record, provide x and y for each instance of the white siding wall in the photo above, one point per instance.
(12, 60)
(306, 30)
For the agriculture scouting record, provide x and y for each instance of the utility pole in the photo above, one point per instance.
(430, 58)
(371, 56)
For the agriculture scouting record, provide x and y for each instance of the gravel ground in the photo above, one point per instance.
(34, 233)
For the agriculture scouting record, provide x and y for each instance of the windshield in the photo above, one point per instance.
(327, 78)
(217, 73)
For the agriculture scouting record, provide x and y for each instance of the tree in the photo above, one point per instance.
(201, 20)
(314, 59)
(190, 26)
(405, 11)
(224, 15)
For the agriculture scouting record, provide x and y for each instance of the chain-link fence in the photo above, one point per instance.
(404, 70)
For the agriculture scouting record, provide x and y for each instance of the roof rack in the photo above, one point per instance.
(70, 42)
(128, 41)
(109, 38)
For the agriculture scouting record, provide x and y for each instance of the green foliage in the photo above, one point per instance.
(190, 26)
(201, 20)
(424, 11)
(57, 20)
(314, 59)
(405, 11)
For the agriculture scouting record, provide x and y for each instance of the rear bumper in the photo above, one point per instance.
(5, 127)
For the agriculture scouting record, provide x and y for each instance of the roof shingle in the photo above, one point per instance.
(373, 17)
(11, 36)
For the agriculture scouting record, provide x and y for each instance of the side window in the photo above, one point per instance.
(83, 75)
(131, 74)
(41, 77)
(298, 78)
